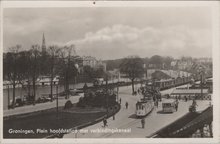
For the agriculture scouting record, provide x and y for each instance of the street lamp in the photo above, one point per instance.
(57, 98)
(201, 80)
(107, 94)
(118, 85)
(8, 97)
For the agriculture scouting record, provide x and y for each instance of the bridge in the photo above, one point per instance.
(188, 125)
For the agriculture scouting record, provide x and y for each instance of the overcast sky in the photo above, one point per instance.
(110, 33)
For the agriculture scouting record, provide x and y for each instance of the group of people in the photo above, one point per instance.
(185, 98)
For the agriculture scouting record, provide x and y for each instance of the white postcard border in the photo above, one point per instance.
(216, 59)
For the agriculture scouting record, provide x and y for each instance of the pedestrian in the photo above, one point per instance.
(185, 98)
(154, 99)
(194, 103)
(143, 123)
(113, 117)
(120, 100)
(157, 103)
(105, 122)
(176, 106)
(177, 101)
(126, 105)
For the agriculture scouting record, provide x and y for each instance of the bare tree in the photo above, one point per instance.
(53, 52)
(67, 66)
(35, 53)
(12, 68)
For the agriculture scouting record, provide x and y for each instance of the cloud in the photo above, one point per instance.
(113, 32)
(109, 34)
(122, 40)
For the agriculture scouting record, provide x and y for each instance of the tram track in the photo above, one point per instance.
(130, 123)
(121, 127)
(127, 125)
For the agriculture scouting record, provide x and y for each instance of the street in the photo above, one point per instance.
(38, 107)
(126, 119)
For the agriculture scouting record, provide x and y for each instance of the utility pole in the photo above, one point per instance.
(201, 86)
(8, 98)
(51, 78)
(201, 81)
(107, 94)
(57, 98)
(67, 76)
(34, 79)
(118, 86)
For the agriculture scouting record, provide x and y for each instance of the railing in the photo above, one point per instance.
(186, 125)
(205, 117)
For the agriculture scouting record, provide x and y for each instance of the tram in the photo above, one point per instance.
(144, 107)
(168, 83)
(169, 105)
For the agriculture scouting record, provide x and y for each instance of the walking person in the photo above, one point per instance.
(120, 100)
(154, 99)
(139, 91)
(185, 98)
(176, 105)
(194, 103)
(193, 106)
(143, 123)
(157, 103)
(126, 105)
(105, 122)
(113, 117)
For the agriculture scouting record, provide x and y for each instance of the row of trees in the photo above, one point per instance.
(134, 67)
(155, 61)
(24, 67)
(93, 73)
(159, 62)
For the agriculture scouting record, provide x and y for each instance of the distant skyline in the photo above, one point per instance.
(111, 33)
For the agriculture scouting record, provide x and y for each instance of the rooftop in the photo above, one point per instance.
(189, 91)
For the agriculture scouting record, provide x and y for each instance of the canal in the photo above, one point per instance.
(40, 91)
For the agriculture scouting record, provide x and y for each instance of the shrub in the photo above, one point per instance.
(68, 105)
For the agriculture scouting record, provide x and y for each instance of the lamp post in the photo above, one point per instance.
(118, 86)
(8, 98)
(106, 94)
(57, 99)
(201, 80)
